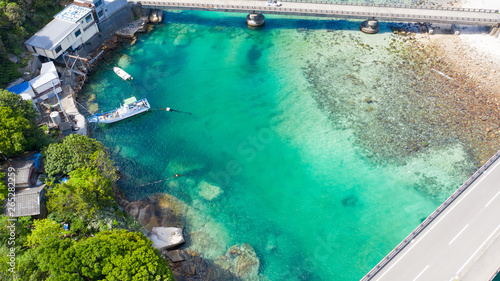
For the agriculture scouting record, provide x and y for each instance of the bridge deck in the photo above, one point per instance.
(458, 241)
(335, 9)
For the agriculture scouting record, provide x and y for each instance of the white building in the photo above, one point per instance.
(46, 82)
(69, 29)
(102, 8)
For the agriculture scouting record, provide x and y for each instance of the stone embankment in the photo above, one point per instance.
(129, 31)
(141, 25)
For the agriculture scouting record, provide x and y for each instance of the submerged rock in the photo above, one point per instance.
(181, 40)
(242, 262)
(271, 243)
(208, 191)
(184, 166)
(125, 61)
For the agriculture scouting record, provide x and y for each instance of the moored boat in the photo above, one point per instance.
(120, 72)
(130, 107)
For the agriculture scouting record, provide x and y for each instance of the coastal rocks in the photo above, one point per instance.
(161, 210)
(208, 191)
(241, 261)
(166, 237)
(129, 31)
(156, 16)
(177, 255)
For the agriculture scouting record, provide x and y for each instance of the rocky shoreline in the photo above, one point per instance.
(164, 210)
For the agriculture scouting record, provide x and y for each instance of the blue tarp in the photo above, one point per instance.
(37, 157)
(19, 89)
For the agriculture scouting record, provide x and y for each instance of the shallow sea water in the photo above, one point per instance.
(295, 180)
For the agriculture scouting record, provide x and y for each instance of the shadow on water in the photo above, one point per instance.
(273, 22)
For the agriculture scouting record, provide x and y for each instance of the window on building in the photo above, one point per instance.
(88, 18)
(58, 49)
(78, 32)
(98, 3)
(99, 14)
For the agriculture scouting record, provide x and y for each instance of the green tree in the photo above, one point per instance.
(15, 13)
(18, 128)
(21, 230)
(44, 229)
(110, 255)
(3, 188)
(77, 151)
(82, 197)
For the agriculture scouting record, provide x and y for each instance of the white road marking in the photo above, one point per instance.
(489, 202)
(478, 249)
(458, 235)
(492, 168)
(421, 272)
(468, 191)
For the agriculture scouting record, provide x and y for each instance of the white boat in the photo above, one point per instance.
(120, 72)
(130, 107)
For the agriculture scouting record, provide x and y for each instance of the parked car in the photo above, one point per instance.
(273, 3)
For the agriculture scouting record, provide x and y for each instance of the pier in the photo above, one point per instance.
(459, 241)
(363, 11)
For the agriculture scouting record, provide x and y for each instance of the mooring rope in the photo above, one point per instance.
(158, 181)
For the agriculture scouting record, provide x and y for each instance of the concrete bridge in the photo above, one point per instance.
(459, 241)
(397, 13)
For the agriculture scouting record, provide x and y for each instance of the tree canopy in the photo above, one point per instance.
(44, 229)
(110, 255)
(77, 151)
(86, 193)
(18, 128)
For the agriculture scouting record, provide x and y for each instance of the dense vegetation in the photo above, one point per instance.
(18, 127)
(20, 19)
(86, 236)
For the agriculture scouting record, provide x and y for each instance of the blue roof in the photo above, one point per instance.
(19, 89)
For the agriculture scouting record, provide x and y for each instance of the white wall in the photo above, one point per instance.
(71, 40)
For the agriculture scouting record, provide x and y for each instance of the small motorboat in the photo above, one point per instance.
(130, 107)
(120, 72)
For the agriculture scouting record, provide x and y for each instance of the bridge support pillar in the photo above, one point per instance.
(370, 26)
(255, 20)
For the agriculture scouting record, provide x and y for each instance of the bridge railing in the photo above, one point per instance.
(393, 6)
(430, 219)
(283, 10)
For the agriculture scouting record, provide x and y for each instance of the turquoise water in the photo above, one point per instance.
(276, 126)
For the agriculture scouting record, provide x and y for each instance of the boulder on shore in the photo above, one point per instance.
(166, 237)
(161, 210)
